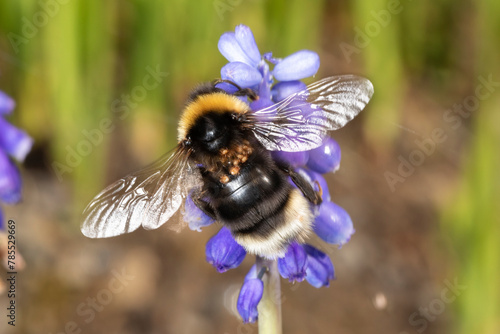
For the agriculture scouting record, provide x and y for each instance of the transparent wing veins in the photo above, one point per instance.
(302, 120)
(148, 197)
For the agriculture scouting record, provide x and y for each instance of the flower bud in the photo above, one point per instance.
(250, 295)
(14, 141)
(10, 180)
(319, 267)
(333, 224)
(242, 74)
(299, 65)
(293, 265)
(223, 252)
(325, 158)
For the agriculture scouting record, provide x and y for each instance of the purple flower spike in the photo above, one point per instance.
(242, 74)
(319, 267)
(294, 159)
(7, 104)
(333, 224)
(293, 265)
(223, 252)
(325, 158)
(284, 89)
(10, 180)
(195, 218)
(299, 65)
(250, 295)
(14, 141)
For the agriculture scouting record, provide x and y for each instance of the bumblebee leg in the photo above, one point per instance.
(315, 197)
(203, 206)
(241, 91)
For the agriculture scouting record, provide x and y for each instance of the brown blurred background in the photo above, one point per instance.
(419, 172)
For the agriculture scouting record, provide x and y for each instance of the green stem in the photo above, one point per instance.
(270, 305)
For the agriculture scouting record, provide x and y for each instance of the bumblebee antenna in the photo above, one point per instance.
(241, 91)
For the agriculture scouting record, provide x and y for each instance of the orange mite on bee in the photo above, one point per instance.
(224, 179)
(234, 170)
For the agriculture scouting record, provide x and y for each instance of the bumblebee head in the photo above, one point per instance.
(210, 121)
(212, 132)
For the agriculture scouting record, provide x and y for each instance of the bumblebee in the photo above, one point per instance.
(223, 162)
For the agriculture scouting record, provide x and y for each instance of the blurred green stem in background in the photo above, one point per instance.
(376, 38)
(473, 219)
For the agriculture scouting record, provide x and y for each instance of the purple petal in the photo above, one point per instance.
(14, 141)
(294, 159)
(250, 295)
(232, 51)
(293, 265)
(2, 222)
(223, 252)
(333, 224)
(245, 39)
(319, 267)
(284, 89)
(242, 74)
(299, 65)
(195, 218)
(325, 158)
(7, 104)
(10, 180)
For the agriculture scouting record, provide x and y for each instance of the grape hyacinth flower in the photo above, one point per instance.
(14, 143)
(250, 295)
(293, 265)
(223, 252)
(249, 69)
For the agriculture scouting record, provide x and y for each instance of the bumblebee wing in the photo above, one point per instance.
(301, 121)
(148, 197)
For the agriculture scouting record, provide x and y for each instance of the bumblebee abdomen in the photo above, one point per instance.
(262, 210)
(271, 234)
(251, 187)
